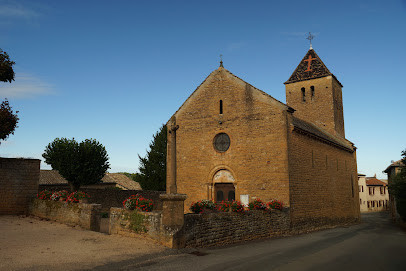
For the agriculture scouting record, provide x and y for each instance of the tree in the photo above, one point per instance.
(6, 67)
(8, 120)
(152, 168)
(397, 188)
(79, 163)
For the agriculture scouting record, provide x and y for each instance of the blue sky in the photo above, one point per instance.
(116, 70)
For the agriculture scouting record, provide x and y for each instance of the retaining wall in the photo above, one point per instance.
(110, 197)
(84, 215)
(202, 230)
(213, 229)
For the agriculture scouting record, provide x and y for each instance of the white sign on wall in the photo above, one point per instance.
(244, 200)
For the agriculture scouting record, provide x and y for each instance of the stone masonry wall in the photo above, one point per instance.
(323, 183)
(324, 108)
(130, 223)
(86, 216)
(256, 124)
(111, 197)
(202, 230)
(18, 184)
(214, 229)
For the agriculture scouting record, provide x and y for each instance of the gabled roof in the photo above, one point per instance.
(314, 131)
(375, 181)
(310, 67)
(53, 177)
(222, 69)
(398, 163)
(121, 180)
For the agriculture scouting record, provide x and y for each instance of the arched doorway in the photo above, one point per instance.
(224, 188)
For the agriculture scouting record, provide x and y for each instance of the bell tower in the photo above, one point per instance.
(316, 94)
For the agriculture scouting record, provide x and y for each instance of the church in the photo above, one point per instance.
(236, 142)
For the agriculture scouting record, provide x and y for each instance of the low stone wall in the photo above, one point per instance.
(133, 223)
(110, 197)
(213, 229)
(201, 230)
(318, 223)
(19, 179)
(84, 215)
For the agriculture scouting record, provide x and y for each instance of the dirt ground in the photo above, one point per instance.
(28, 243)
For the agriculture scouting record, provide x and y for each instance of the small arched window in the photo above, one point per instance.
(221, 106)
(219, 196)
(231, 195)
(312, 91)
(303, 94)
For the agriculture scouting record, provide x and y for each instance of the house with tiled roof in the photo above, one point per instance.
(52, 178)
(373, 194)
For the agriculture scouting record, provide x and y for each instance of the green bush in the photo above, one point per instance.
(257, 204)
(223, 206)
(275, 204)
(44, 194)
(198, 207)
(138, 202)
(237, 207)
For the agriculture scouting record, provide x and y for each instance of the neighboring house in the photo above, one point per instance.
(234, 141)
(52, 178)
(373, 194)
(393, 169)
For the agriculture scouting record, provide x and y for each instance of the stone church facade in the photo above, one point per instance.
(235, 141)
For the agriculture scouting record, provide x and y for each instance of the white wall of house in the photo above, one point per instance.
(373, 198)
(363, 191)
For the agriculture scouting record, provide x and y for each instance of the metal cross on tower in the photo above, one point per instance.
(221, 60)
(310, 37)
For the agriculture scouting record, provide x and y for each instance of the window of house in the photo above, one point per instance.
(360, 201)
(303, 94)
(352, 186)
(312, 91)
(362, 188)
(221, 106)
(368, 203)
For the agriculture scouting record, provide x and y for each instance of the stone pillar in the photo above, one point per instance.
(171, 180)
(173, 210)
(173, 203)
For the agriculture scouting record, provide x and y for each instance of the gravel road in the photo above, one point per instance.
(28, 243)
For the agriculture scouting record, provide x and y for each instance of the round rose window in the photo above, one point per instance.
(221, 142)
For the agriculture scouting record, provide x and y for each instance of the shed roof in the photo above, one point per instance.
(321, 134)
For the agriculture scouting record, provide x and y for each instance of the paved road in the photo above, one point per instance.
(375, 244)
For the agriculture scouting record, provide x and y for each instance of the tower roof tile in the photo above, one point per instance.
(310, 67)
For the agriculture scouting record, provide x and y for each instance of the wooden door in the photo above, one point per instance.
(224, 191)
